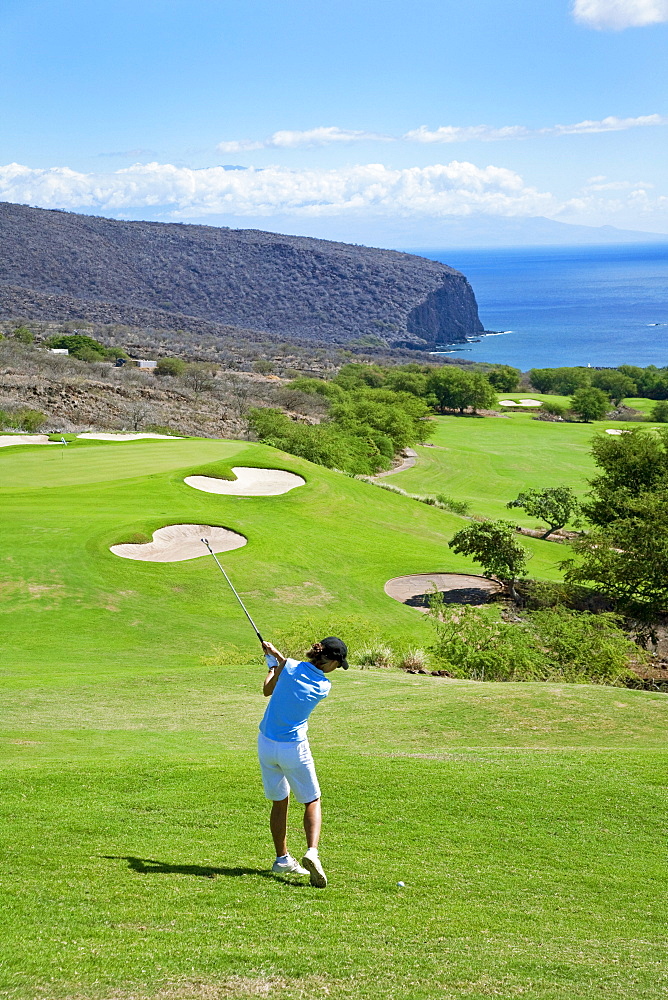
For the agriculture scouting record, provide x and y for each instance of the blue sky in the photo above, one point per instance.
(346, 118)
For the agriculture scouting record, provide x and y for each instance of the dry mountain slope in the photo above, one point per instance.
(80, 266)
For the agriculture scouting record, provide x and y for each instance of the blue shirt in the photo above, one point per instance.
(299, 688)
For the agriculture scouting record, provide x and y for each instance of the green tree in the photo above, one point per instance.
(482, 395)
(451, 387)
(24, 335)
(590, 404)
(170, 367)
(617, 385)
(627, 559)
(80, 346)
(555, 505)
(631, 464)
(494, 545)
(659, 412)
(562, 381)
(503, 378)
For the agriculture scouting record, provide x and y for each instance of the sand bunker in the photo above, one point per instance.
(7, 439)
(521, 402)
(178, 542)
(94, 436)
(615, 430)
(455, 588)
(249, 482)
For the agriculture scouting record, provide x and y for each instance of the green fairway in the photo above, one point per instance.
(488, 461)
(331, 544)
(525, 820)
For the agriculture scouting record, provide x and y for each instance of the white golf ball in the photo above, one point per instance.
(402, 884)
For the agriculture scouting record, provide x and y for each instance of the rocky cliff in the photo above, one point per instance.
(79, 267)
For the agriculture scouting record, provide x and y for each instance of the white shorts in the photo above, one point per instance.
(287, 767)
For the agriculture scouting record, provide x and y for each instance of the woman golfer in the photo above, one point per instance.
(294, 688)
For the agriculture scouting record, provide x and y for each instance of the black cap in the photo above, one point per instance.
(335, 649)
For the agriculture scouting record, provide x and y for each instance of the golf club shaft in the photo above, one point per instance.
(255, 629)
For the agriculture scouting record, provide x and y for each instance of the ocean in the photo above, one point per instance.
(585, 305)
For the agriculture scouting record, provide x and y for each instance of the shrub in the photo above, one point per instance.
(263, 367)
(24, 335)
(30, 420)
(6, 419)
(170, 367)
(160, 429)
(474, 643)
(554, 409)
(585, 647)
(414, 659)
(377, 654)
(460, 507)
(551, 644)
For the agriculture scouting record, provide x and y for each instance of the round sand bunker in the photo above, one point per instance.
(249, 482)
(455, 588)
(178, 542)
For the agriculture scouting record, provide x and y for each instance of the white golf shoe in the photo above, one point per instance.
(315, 869)
(289, 867)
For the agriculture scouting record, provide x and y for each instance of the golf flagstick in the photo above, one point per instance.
(255, 628)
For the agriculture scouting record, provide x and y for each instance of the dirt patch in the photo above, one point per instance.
(229, 988)
(306, 595)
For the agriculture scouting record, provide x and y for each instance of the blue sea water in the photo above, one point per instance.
(597, 305)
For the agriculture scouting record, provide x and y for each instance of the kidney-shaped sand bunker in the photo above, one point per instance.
(249, 482)
(178, 542)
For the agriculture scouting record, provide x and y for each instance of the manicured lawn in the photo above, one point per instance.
(488, 461)
(526, 820)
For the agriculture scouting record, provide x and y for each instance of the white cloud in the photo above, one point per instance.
(455, 188)
(323, 135)
(365, 191)
(487, 133)
(464, 133)
(619, 14)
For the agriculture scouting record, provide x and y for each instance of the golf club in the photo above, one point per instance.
(255, 629)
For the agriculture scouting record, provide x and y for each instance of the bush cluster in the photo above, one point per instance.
(549, 644)
(30, 421)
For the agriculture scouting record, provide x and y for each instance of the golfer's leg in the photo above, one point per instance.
(312, 822)
(278, 824)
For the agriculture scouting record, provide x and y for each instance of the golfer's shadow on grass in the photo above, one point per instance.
(148, 866)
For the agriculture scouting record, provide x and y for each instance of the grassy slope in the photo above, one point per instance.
(334, 543)
(524, 819)
(488, 461)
